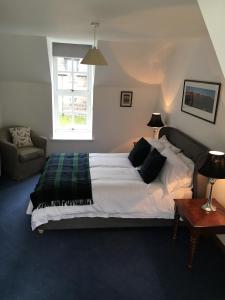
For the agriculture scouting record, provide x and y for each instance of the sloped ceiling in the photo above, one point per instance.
(134, 63)
(23, 58)
(214, 16)
(120, 20)
(25, 24)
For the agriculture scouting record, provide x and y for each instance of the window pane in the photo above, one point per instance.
(80, 82)
(72, 111)
(65, 105)
(75, 64)
(80, 104)
(65, 121)
(79, 119)
(64, 64)
(82, 68)
(80, 111)
(72, 121)
(65, 111)
(64, 81)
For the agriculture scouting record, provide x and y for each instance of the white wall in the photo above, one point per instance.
(24, 58)
(195, 59)
(133, 64)
(213, 15)
(114, 127)
(28, 104)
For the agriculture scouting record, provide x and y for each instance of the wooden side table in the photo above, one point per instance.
(198, 221)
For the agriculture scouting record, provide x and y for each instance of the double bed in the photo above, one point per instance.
(121, 198)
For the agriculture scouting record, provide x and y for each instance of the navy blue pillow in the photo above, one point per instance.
(152, 166)
(139, 152)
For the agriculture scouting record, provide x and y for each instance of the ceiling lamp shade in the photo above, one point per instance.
(155, 121)
(94, 55)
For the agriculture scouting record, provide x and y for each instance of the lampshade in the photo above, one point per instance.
(94, 55)
(214, 165)
(155, 120)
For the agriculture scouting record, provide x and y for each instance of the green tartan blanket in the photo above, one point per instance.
(65, 181)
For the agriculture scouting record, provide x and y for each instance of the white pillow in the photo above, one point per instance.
(175, 174)
(155, 143)
(187, 161)
(167, 144)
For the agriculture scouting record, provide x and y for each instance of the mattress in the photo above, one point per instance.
(118, 191)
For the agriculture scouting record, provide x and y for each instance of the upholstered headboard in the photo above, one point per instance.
(192, 149)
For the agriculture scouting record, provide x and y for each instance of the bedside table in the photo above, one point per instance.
(198, 221)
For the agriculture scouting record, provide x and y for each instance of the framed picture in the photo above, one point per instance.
(126, 99)
(200, 99)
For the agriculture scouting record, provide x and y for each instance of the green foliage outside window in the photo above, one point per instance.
(65, 120)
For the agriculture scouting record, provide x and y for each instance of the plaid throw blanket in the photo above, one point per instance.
(65, 181)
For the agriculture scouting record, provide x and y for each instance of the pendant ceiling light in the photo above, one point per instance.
(94, 55)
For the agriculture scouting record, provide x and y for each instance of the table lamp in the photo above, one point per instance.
(155, 123)
(214, 168)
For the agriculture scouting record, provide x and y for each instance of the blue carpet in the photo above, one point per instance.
(99, 264)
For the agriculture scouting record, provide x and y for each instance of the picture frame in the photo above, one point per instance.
(126, 99)
(200, 99)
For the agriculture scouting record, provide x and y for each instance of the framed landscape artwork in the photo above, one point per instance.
(126, 99)
(200, 99)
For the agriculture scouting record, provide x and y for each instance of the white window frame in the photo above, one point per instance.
(74, 133)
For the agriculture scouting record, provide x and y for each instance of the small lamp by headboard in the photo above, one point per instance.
(155, 122)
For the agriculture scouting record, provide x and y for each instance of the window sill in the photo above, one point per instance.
(72, 136)
(71, 139)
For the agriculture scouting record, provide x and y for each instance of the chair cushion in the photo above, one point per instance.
(21, 136)
(29, 153)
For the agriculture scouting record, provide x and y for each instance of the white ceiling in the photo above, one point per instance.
(120, 19)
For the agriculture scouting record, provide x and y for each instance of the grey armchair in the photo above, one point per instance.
(19, 163)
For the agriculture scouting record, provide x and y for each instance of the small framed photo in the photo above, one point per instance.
(200, 99)
(126, 99)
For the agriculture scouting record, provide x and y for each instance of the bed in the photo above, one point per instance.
(125, 200)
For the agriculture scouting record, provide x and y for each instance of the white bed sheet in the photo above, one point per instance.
(118, 191)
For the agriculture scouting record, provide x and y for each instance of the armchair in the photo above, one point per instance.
(19, 163)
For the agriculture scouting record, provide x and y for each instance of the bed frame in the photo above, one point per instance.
(190, 147)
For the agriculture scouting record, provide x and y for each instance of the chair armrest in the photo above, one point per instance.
(39, 141)
(8, 151)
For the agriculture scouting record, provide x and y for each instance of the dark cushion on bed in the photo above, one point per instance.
(139, 152)
(152, 166)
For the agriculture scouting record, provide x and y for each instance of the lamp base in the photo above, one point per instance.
(155, 133)
(208, 207)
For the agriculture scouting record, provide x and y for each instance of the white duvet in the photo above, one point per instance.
(118, 191)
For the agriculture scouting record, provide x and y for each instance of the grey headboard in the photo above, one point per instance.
(192, 149)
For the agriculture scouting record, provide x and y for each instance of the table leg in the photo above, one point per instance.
(193, 243)
(176, 223)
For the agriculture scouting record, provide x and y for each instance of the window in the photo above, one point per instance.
(72, 103)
